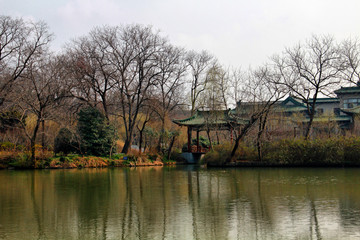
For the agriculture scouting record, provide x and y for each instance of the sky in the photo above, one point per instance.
(240, 33)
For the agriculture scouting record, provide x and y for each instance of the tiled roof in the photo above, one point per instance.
(345, 90)
(211, 119)
(291, 104)
(326, 100)
(331, 119)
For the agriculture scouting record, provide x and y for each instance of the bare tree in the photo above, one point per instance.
(350, 50)
(236, 81)
(40, 94)
(144, 119)
(214, 98)
(92, 71)
(168, 89)
(216, 92)
(260, 93)
(135, 51)
(224, 86)
(309, 70)
(199, 65)
(20, 42)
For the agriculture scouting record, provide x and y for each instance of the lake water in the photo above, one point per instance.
(183, 202)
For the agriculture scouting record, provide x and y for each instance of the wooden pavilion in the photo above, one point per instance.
(207, 121)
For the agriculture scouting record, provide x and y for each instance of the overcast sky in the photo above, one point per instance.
(237, 32)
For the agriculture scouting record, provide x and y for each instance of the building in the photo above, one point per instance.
(342, 109)
(288, 118)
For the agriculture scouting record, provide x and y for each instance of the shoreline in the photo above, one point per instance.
(75, 161)
(254, 164)
(234, 165)
(132, 165)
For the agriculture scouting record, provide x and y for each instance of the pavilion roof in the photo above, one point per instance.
(219, 119)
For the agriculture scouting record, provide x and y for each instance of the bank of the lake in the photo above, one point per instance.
(330, 152)
(47, 160)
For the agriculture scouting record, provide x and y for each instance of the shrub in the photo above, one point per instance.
(352, 151)
(176, 156)
(213, 157)
(220, 153)
(203, 142)
(307, 152)
(64, 142)
(22, 160)
(118, 156)
(7, 146)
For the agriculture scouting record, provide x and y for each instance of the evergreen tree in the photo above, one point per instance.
(96, 135)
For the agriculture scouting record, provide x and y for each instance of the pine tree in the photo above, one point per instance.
(96, 135)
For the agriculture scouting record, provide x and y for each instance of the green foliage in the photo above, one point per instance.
(68, 158)
(64, 142)
(7, 146)
(21, 160)
(203, 142)
(117, 156)
(95, 133)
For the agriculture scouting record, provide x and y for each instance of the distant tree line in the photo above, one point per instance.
(136, 77)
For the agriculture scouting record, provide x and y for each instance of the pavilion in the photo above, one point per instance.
(207, 121)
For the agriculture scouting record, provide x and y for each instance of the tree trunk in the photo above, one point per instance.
(32, 142)
(262, 124)
(240, 137)
(43, 135)
(189, 143)
(32, 152)
(145, 143)
(162, 132)
(127, 145)
(170, 147)
(140, 139)
(309, 125)
(209, 137)
(258, 140)
(161, 137)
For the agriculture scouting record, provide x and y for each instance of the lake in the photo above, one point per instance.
(182, 202)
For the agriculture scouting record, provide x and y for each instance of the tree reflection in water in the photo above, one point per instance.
(180, 203)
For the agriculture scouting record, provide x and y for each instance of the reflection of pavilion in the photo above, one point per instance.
(208, 121)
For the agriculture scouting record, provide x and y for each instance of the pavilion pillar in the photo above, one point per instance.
(197, 141)
(189, 138)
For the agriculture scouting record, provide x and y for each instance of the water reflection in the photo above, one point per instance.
(180, 203)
